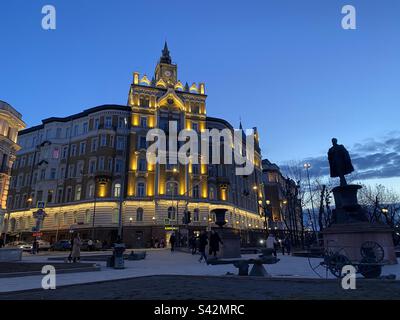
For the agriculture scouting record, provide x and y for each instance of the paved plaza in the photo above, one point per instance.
(161, 262)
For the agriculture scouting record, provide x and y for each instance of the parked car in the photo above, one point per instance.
(25, 246)
(44, 245)
(97, 245)
(61, 245)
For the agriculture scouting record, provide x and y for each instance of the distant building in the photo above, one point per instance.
(284, 205)
(89, 166)
(10, 123)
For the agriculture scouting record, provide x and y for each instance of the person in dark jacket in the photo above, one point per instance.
(288, 245)
(192, 244)
(172, 241)
(215, 240)
(203, 241)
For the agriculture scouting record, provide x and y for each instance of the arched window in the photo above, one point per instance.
(172, 188)
(172, 213)
(115, 215)
(65, 218)
(140, 191)
(56, 219)
(139, 214)
(21, 223)
(196, 215)
(117, 190)
(75, 217)
(87, 216)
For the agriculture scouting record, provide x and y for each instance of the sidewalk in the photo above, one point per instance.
(163, 262)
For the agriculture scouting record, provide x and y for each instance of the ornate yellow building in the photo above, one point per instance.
(90, 166)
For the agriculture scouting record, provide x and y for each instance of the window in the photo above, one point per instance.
(69, 194)
(118, 165)
(110, 164)
(196, 192)
(144, 102)
(71, 171)
(101, 163)
(59, 195)
(87, 216)
(53, 172)
(112, 141)
(82, 148)
(117, 190)
(196, 215)
(140, 192)
(85, 127)
(94, 145)
(103, 140)
(67, 133)
(76, 130)
(142, 165)
(56, 154)
(122, 122)
(171, 213)
(92, 166)
(195, 126)
(139, 214)
(62, 173)
(78, 192)
(64, 152)
(108, 122)
(172, 188)
(79, 171)
(73, 150)
(23, 161)
(115, 216)
(58, 133)
(143, 122)
(42, 174)
(75, 217)
(96, 124)
(91, 190)
(212, 193)
(195, 168)
(142, 142)
(120, 143)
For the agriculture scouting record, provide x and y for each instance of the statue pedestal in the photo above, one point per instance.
(349, 237)
(231, 246)
(350, 228)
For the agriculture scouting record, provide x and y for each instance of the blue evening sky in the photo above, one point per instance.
(284, 66)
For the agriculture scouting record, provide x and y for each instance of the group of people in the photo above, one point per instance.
(200, 244)
(284, 245)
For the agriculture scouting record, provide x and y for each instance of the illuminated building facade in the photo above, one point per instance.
(91, 166)
(10, 123)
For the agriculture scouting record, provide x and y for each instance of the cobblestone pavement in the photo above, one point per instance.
(204, 287)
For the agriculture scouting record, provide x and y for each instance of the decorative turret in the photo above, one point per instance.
(165, 58)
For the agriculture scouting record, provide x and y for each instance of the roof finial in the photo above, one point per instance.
(165, 58)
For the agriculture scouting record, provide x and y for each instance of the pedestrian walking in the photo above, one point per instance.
(172, 241)
(215, 240)
(192, 244)
(35, 247)
(203, 241)
(76, 248)
(288, 245)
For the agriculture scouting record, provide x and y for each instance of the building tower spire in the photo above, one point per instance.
(165, 57)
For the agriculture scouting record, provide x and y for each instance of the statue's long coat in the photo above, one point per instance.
(339, 161)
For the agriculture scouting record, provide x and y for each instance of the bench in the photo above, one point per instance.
(136, 256)
(257, 270)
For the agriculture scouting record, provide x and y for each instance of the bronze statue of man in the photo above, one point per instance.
(339, 162)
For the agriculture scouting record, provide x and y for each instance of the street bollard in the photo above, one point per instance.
(118, 253)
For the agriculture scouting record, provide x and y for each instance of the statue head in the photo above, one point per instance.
(334, 141)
